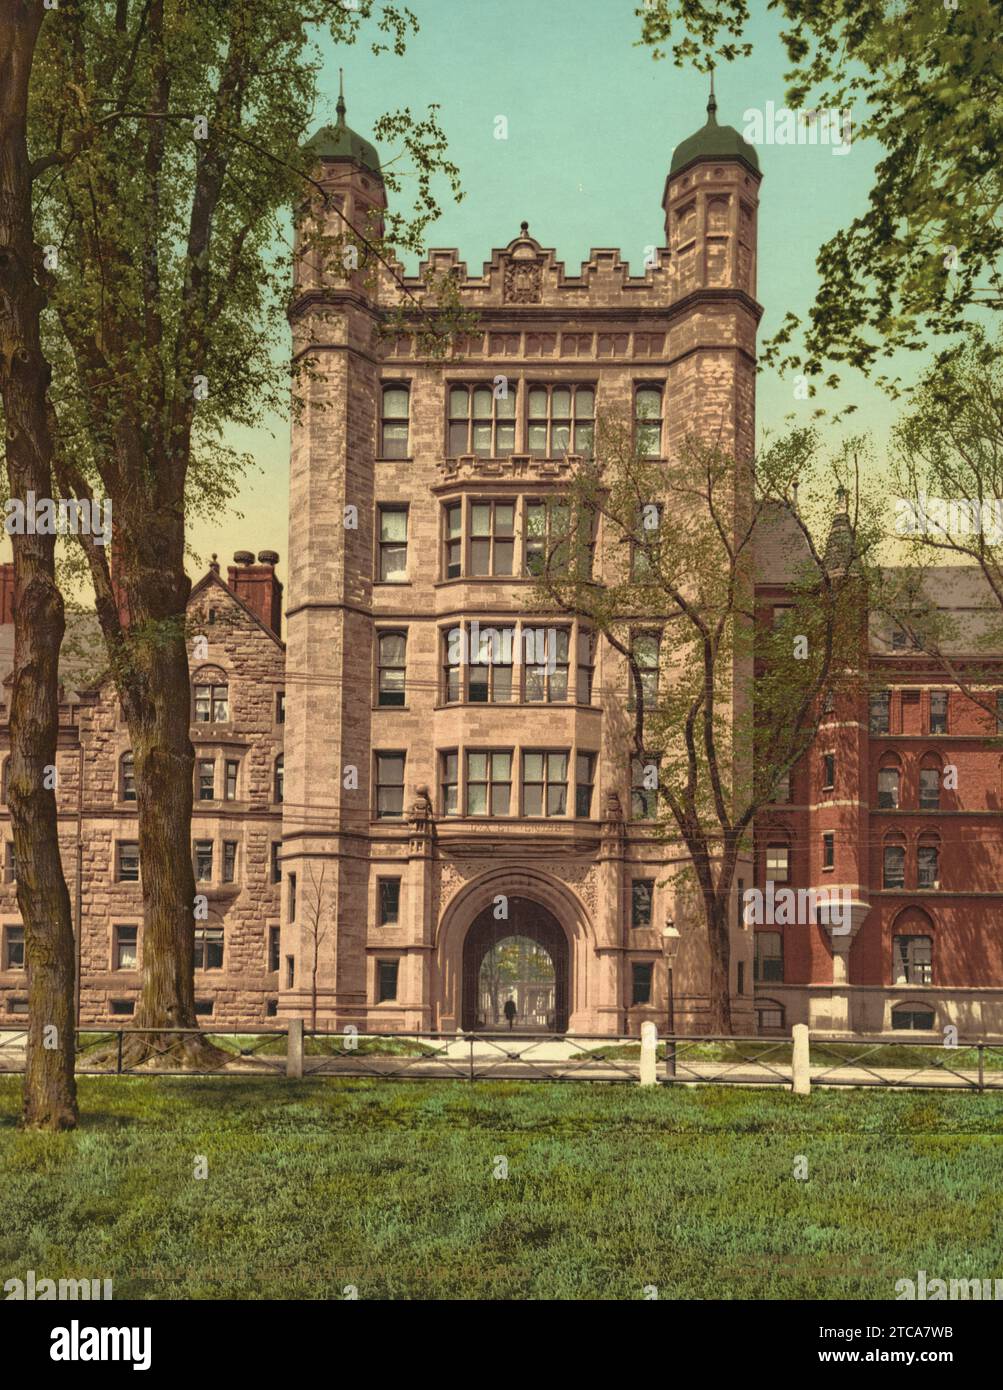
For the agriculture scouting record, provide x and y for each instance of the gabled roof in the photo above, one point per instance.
(211, 578)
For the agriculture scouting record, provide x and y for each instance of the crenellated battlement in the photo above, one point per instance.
(526, 274)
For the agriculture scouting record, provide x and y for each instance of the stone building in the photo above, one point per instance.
(446, 800)
(428, 795)
(238, 714)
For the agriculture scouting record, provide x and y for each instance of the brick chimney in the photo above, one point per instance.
(7, 592)
(257, 586)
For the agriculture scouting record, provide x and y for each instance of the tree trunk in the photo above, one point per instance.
(50, 1100)
(719, 940)
(154, 686)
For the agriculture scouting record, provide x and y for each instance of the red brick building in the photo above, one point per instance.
(898, 804)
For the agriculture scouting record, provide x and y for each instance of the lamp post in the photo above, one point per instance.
(670, 945)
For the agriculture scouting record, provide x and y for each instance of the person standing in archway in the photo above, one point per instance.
(510, 1012)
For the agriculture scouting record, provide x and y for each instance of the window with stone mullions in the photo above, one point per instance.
(212, 704)
(489, 783)
(394, 422)
(489, 675)
(389, 786)
(453, 541)
(203, 861)
(645, 651)
(207, 779)
(452, 665)
(449, 781)
(548, 683)
(209, 948)
(480, 422)
(393, 544)
(644, 788)
(545, 784)
(560, 421)
(585, 764)
(644, 556)
(586, 647)
(392, 651)
(648, 421)
(492, 538)
(548, 547)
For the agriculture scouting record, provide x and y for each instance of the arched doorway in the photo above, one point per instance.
(523, 956)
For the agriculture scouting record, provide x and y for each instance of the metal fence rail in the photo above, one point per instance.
(976, 1066)
(713, 1059)
(744, 1061)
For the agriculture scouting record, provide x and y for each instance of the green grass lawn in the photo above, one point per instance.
(391, 1187)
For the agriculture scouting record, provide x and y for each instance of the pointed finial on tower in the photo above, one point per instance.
(712, 101)
(340, 108)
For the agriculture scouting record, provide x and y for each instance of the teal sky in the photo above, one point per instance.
(592, 123)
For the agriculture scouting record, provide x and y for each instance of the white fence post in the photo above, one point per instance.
(800, 1074)
(294, 1049)
(649, 1053)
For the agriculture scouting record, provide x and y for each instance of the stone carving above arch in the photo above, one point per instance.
(523, 282)
(569, 890)
(455, 873)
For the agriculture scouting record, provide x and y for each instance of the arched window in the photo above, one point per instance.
(279, 777)
(889, 783)
(912, 960)
(913, 1018)
(928, 861)
(394, 421)
(211, 696)
(127, 777)
(929, 782)
(893, 864)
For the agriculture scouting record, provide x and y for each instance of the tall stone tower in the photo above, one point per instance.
(711, 202)
(438, 805)
(329, 595)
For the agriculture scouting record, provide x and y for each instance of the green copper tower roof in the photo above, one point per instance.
(339, 141)
(713, 141)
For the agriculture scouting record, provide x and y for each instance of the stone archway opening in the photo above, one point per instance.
(524, 958)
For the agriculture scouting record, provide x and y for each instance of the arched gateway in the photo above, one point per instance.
(553, 922)
(523, 957)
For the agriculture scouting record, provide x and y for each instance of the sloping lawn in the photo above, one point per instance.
(391, 1187)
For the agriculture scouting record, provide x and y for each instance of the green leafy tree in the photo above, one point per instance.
(947, 487)
(924, 81)
(717, 707)
(179, 128)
